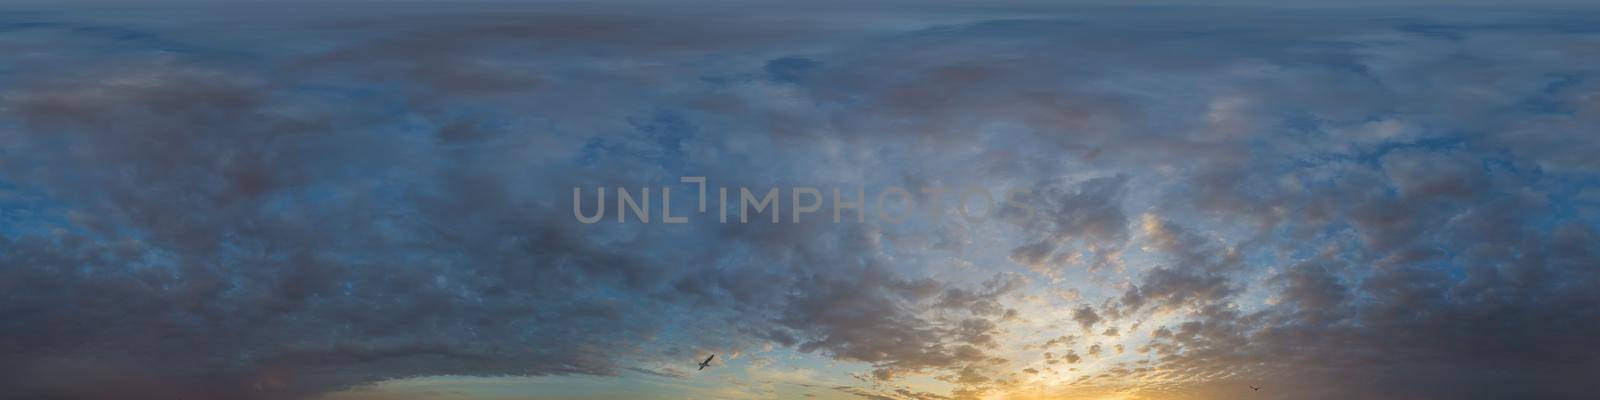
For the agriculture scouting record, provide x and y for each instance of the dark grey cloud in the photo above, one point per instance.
(269, 240)
(1087, 214)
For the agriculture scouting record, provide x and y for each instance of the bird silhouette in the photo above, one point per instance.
(1254, 388)
(706, 363)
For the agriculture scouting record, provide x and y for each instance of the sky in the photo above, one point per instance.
(376, 200)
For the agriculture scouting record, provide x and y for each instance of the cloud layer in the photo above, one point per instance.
(1337, 204)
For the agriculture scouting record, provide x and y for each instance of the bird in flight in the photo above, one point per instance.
(1251, 388)
(707, 362)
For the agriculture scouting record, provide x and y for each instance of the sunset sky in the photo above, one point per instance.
(375, 200)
